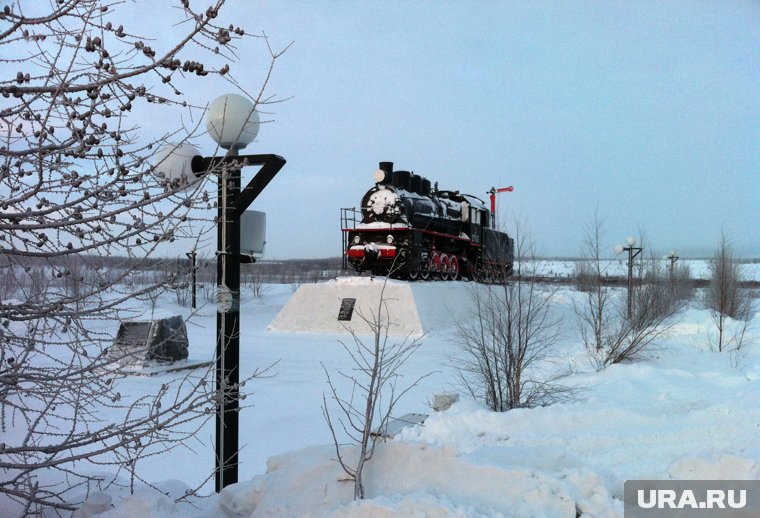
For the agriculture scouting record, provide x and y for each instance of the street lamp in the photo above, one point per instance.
(673, 258)
(233, 123)
(633, 251)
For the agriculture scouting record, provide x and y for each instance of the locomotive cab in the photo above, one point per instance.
(477, 219)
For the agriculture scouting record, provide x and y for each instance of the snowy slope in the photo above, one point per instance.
(685, 413)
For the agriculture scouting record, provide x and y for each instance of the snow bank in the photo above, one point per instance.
(405, 477)
(685, 413)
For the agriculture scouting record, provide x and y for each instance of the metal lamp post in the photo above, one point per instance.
(673, 258)
(633, 251)
(233, 123)
(194, 271)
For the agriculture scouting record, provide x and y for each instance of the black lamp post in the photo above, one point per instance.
(673, 258)
(633, 252)
(194, 271)
(233, 123)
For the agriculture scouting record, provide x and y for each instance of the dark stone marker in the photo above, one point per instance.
(346, 309)
(169, 343)
(143, 342)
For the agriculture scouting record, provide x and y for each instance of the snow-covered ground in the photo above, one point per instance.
(618, 267)
(687, 412)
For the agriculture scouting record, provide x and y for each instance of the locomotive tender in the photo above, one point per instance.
(408, 229)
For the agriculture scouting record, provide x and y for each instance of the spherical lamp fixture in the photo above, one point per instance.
(232, 121)
(173, 163)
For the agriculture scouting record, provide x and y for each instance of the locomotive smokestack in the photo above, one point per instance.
(387, 168)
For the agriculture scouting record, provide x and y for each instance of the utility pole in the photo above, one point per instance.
(633, 252)
(194, 271)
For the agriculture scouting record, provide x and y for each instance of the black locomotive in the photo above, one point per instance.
(407, 228)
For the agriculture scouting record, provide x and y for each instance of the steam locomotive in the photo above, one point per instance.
(408, 229)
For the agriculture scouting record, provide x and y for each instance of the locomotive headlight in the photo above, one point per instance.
(357, 239)
(382, 201)
(389, 239)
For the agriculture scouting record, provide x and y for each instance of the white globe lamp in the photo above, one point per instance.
(631, 241)
(173, 163)
(619, 249)
(232, 121)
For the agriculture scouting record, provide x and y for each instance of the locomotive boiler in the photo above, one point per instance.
(410, 229)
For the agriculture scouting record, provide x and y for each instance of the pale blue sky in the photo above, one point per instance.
(647, 111)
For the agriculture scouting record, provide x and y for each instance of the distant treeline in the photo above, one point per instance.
(286, 271)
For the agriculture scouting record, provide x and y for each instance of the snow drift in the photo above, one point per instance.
(684, 413)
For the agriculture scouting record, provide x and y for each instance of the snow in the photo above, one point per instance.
(686, 412)
(375, 225)
(618, 267)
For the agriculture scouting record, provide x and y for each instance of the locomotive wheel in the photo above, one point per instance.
(435, 266)
(453, 267)
(414, 272)
(487, 274)
(467, 271)
(444, 267)
(425, 269)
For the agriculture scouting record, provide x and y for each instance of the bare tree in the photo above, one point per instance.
(76, 180)
(591, 272)
(660, 292)
(375, 391)
(654, 306)
(253, 279)
(680, 282)
(509, 339)
(726, 299)
(602, 317)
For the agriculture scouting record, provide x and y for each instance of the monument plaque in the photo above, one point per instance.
(346, 308)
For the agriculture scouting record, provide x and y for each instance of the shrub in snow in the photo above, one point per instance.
(373, 393)
(607, 332)
(507, 340)
(726, 299)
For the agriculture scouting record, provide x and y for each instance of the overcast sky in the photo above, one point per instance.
(645, 111)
